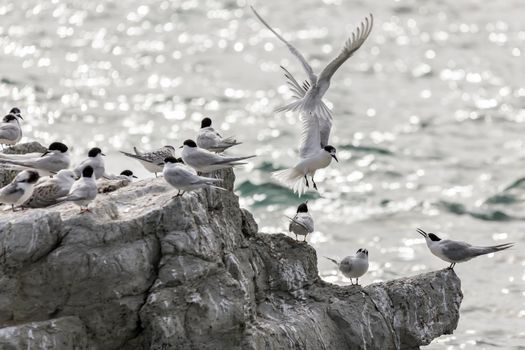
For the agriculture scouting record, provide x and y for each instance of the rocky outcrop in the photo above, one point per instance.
(145, 270)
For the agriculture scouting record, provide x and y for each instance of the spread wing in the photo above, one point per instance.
(352, 45)
(325, 121)
(298, 90)
(310, 136)
(309, 71)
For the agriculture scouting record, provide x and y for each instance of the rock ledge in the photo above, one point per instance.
(146, 271)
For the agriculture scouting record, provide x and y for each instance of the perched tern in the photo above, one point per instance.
(114, 182)
(211, 140)
(10, 130)
(95, 161)
(47, 191)
(152, 161)
(83, 191)
(50, 162)
(302, 223)
(205, 161)
(457, 251)
(184, 178)
(20, 189)
(310, 103)
(353, 266)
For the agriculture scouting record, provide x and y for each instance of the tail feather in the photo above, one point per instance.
(332, 260)
(293, 179)
(494, 248)
(217, 188)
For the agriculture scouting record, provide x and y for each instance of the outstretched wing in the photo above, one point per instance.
(310, 136)
(298, 90)
(309, 71)
(352, 45)
(324, 116)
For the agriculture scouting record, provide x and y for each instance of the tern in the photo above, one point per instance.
(211, 140)
(353, 266)
(302, 223)
(457, 251)
(20, 189)
(152, 161)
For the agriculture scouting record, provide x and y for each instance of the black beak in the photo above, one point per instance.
(43, 154)
(422, 233)
(134, 176)
(181, 146)
(102, 154)
(19, 116)
(333, 156)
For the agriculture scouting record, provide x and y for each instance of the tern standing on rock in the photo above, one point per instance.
(205, 161)
(457, 251)
(50, 162)
(211, 140)
(184, 178)
(353, 266)
(302, 223)
(47, 192)
(83, 191)
(95, 161)
(10, 130)
(20, 189)
(152, 161)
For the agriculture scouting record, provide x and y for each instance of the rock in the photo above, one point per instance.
(145, 270)
(61, 333)
(6, 176)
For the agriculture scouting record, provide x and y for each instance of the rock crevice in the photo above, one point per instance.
(148, 271)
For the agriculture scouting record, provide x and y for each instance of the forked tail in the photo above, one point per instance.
(293, 179)
(493, 249)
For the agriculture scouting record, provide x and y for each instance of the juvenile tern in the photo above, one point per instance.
(211, 140)
(94, 160)
(205, 161)
(83, 191)
(353, 266)
(20, 189)
(47, 192)
(50, 162)
(302, 223)
(457, 251)
(184, 178)
(310, 103)
(10, 130)
(152, 161)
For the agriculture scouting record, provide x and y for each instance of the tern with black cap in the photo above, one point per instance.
(456, 251)
(54, 159)
(353, 266)
(20, 189)
(209, 139)
(205, 161)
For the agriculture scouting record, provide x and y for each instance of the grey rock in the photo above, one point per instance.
(6, 176)
(145, 270)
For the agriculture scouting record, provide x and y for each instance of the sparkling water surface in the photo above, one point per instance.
(428, 120)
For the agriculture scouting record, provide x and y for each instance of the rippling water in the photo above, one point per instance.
(428, 119)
